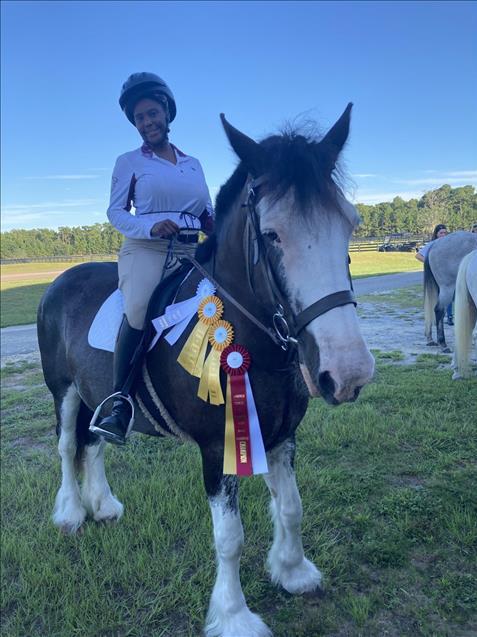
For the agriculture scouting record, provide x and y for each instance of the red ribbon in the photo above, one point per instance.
(243, 449)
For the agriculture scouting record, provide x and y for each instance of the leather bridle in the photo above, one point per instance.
(284, 317)
(282, 334)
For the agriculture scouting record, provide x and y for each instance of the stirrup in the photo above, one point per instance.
(101, 432)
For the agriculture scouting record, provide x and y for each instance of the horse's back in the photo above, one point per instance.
(447, 253)
(66, 312)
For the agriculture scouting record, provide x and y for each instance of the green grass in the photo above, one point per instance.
(376, 263)
(19, 302)
(19, 298)
(388, 487)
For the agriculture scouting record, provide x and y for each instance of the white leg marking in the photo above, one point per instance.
(286, 561)
(95, 491)
(228, 614)
(69, 514)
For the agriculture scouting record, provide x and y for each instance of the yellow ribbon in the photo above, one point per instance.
(193, 353)
(220, 336)
(230, 458)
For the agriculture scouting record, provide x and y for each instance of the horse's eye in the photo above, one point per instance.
(272, 237)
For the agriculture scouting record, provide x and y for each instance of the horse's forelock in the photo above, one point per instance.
(297, 161)
(294, 160)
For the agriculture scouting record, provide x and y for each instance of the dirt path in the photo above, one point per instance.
(385, 325)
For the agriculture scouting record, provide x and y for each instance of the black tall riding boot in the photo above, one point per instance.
(114, 427)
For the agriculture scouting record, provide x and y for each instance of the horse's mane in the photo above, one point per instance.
(293, 159)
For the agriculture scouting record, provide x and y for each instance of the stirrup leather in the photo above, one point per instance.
(97, 430)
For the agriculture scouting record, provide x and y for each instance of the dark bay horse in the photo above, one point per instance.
(282, 252)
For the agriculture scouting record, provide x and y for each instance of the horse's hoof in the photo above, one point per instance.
(71, 529)
(446, 350)
(431, 344)
(318, 593)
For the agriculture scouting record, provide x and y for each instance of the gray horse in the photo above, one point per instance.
(283, 197)
(440, 274)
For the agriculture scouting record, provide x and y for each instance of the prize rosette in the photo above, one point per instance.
(192, 355)
(220, 336)
(244, 452)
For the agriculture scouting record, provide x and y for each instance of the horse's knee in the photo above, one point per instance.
(66, 445)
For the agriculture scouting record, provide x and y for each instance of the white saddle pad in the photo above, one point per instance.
(105, 327)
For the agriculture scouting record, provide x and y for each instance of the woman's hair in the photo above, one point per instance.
(440, 226)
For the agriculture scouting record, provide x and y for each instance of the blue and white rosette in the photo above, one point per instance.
(178, 315)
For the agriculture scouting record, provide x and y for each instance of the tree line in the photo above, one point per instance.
(456, 207)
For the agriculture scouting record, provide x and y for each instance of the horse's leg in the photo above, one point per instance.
(228, 615)
(445, 297)
(95, 491)
(69, 513)
(287, 563)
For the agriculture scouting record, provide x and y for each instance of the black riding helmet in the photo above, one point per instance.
(139, 85)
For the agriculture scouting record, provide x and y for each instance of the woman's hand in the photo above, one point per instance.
(164, 229)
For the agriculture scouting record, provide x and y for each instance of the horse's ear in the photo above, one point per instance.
(251, 153)
(332, 143)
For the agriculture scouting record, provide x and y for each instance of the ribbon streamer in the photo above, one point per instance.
(244, 451)
(220, 336)
(193, 353)
(178, 315)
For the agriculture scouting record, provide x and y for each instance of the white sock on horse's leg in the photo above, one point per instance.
(69, 513)
(95, 491)
(286, 560)
(229, 615)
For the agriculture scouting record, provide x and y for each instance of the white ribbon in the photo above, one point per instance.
(178, 315)
(259, 458)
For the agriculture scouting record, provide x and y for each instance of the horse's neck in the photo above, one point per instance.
(230, 271)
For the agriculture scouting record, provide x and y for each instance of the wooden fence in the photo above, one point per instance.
(362, 244)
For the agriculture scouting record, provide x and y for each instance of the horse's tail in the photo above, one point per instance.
(431, 293)
(465, 318)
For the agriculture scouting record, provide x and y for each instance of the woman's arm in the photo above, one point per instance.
(122, 195)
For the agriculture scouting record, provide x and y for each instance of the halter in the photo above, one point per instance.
(284, 315)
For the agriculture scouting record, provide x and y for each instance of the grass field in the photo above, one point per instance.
(388, 487)
(23, 284)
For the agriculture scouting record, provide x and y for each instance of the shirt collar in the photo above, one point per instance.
(148, 152)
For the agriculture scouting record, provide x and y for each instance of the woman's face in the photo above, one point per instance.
(151, 122)
(442, 233)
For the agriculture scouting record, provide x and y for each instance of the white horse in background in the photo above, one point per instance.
(465, 315)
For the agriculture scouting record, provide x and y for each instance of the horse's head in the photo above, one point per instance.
(304, 224)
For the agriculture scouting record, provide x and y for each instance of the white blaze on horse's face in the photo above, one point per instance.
(314, 263)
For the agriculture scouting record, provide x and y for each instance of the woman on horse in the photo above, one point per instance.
(169, 194)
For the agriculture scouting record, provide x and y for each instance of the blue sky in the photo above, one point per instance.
(408, 67)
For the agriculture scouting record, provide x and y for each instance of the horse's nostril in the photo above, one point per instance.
(356, 392)
(327, 386)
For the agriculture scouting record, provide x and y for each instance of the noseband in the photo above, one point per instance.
(282, 319)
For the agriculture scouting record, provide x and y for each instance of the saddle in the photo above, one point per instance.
(107, 321)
